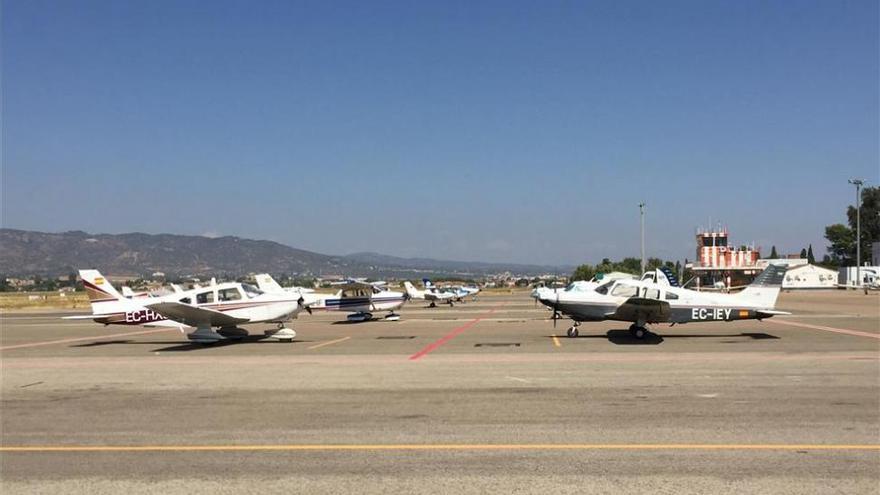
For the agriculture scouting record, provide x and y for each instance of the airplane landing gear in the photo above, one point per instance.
(392, 317)
(282, 333)
(638, 331)
(432, 305)
(572, 331)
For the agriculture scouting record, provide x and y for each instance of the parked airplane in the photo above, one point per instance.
(359, 298)
(651, 301)
(431, 293)
(268, 284)
(223, 306)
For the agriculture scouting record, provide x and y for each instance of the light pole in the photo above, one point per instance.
(858, 183)
(642, 228)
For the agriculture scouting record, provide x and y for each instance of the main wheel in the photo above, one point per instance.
(572, 332)
(640, 332)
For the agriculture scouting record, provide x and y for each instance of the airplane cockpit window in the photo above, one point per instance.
(603, 289)
(205, 297)
(671, 296)
(650, 293)
(625, 290)
(231, 294)
(250, 291)
(186, 300)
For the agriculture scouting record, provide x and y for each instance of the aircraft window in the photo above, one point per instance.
(671, 296)
(603, 289)
(624, 290)
(251, 291)
(186, 300)
(229, 294)
(205, 297)
(651, 293)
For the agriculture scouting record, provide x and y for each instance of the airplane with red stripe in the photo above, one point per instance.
(223, 306)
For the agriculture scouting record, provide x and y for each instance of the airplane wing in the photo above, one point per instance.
(635, 308)
(195, 316)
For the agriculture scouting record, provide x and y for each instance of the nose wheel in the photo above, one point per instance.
(638, 331)
(572, 331)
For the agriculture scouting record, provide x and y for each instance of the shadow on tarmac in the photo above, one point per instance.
(181, 346)
(623, 337)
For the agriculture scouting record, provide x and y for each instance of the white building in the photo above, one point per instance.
(847, 276)
(809, 277)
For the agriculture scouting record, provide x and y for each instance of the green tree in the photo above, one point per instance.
(842, 239)
(583, 272)
(773, 254)
(803, 253)
(810, 258)
(870, 220)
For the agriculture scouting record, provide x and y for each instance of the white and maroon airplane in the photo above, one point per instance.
(224, 306)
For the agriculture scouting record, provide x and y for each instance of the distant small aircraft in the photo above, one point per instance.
(268, 284)
(224, 306)
(653, 300)
(431, 293)
(359, 298)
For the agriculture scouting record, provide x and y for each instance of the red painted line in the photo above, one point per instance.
(451, 335)
(81, 339)
(827, 329)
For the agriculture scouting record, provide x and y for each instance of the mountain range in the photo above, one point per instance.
(28, 253)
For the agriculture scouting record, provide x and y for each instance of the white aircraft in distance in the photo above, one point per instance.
(431, 293)
(356, 297)
(224, 306)
(268, 284)
(661, 301)
(579, 285)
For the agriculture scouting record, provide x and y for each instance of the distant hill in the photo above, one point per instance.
(25, 253)
(429, 264)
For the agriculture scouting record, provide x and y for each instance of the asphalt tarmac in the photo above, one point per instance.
(484, 397)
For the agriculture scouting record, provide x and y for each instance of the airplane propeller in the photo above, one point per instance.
(556, 315)
(306, 307)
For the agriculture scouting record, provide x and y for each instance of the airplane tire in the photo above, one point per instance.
(572, 332)
(639, 333)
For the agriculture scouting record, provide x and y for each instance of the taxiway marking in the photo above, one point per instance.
(451, 335)
(329, 342)
(556, 341)
(81, 339)
(828, 329)
(434, 447)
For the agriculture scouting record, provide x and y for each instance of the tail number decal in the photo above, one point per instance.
(142, 316)
(710, 313)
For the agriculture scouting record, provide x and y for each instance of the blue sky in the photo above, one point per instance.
(496, 131)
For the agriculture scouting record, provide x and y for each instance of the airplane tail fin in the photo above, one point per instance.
(268, 284)
(127, 292)
(764, 290)
(99, 289)
(427, 283)
(411, 291)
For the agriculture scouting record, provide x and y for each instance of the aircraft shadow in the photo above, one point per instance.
(179, 346)
(623, 337)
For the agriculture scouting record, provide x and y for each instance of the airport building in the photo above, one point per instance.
(719, 261)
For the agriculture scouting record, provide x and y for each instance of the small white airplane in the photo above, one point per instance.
(224, 306)
(655, 300)
(359, 298)
(268, 284)
(431, 293)
(579, 285)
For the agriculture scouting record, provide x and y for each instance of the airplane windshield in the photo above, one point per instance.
(251, 291)
(603, 289)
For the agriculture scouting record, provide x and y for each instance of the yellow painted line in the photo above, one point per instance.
(556, 341)
(85, 339)
(432, 447)
(330, 342)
